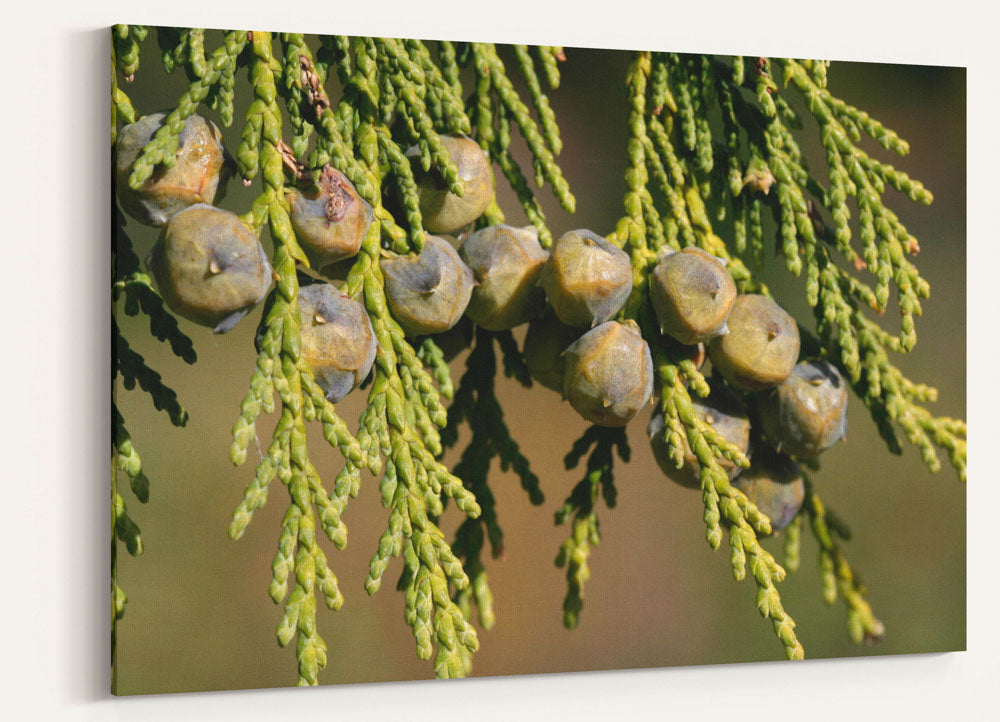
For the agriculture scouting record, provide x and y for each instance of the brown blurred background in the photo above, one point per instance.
(199, 617)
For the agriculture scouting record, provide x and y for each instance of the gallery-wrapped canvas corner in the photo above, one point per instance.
(445, 293)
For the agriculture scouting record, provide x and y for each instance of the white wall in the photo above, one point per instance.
(55, 380)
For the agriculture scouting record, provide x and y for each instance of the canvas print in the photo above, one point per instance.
(606, 358)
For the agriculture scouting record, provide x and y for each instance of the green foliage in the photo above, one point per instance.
(683, 180)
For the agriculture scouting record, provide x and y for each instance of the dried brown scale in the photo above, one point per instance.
(506, 263)
(288, 159)
(195, 176)
(338, 191)
(692, 295)
(428, 292)
(587, 279)
(761, 347)
(725, 413)
(609, 373)
(443, 211)
(774, 484)
(315, 94)
(544, 344)
(807, 413)
(209, 267)
(331, 220)
(338, 342)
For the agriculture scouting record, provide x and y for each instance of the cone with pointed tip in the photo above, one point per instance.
(725, 413)
(609, 373)
(774, 483)
(807, 413)
(442, 210)
(338, 342)
(209, 267)
(428, 292)
(692, 295)
(330, 220)
(587, 279)
(194, 177)
(761, 347)
(506, 263)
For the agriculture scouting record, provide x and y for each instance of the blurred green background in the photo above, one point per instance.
(198, 615)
